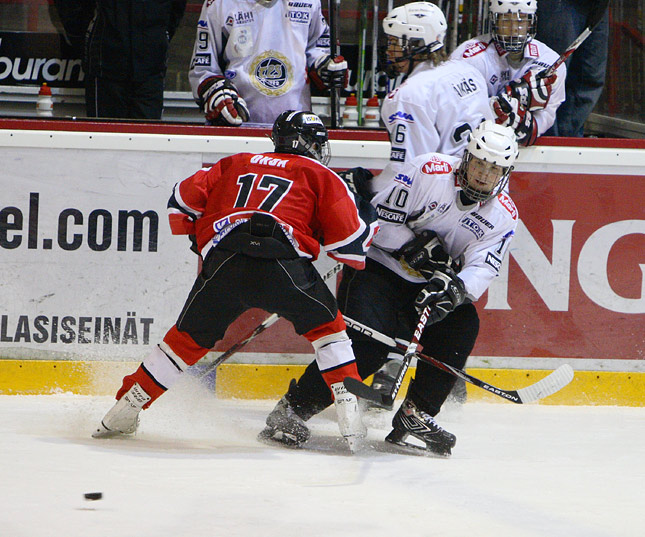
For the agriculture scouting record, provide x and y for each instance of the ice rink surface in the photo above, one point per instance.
(195, 469)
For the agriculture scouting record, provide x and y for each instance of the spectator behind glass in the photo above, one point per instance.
(126, 48)
(559, 23)
(252, 59)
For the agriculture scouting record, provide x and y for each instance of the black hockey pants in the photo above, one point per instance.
(382, 300)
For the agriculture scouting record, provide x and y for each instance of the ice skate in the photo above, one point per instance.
(410, 420)
(123, 417)
(285, 426)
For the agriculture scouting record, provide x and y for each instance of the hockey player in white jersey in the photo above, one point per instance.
(440, 101)
(510, 59)
(252, 59)
(445, 225)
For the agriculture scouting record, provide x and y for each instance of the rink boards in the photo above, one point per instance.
(92, 276)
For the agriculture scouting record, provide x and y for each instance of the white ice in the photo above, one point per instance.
(196, 469)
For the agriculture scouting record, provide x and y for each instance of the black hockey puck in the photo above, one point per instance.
(93, 495)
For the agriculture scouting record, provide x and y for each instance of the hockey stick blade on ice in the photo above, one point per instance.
(549, 385)
(271, 319)
(387, 399)
(594, 17)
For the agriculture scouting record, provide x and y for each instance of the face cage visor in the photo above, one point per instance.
(483, 168)
(512, 31)
(321, 151)
(408, 51)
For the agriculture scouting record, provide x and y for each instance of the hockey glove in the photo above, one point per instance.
(222, 103)
(510, 112)
(425, 254)
(357, 180)
(532, 90)
(328, 72)
(444, 292)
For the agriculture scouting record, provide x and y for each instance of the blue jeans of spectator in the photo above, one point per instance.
(560, 22)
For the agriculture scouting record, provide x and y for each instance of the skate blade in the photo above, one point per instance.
(103, 432)
(413, 449)
(267, 436)
(356, 443)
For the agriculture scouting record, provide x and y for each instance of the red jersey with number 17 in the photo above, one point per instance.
(310, 202)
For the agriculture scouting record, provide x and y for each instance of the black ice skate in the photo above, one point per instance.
(410, 420)
(285, 426)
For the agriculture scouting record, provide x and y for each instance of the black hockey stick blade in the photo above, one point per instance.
(363, 391)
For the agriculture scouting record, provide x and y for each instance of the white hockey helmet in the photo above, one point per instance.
(420, 26)
(488, 160)
(513, 23)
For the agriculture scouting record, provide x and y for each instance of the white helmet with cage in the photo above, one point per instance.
(488, 160)
(513, 23)
(420, 26)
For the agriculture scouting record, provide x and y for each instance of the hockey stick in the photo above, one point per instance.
(594, 17)
(549, 385)
(334, 13)
(271, 319)
(387, 399)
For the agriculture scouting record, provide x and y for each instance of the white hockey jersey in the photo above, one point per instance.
(264, 51)
(434, 110)
(493, 63)
(423, 194)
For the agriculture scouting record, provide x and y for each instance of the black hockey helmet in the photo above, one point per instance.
(301, 133)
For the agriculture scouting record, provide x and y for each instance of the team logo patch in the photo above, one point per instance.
(479, 217)
(436, 165)
(202, 60)
(397, 155)
(403, 179)
(533, 50)
(400, 116)
(390, 215)
(493, 261)
(244, 17)
(270, 73)
(508, 204)
(500, 50)
(300, 17)
(472, 226)
(474, 49)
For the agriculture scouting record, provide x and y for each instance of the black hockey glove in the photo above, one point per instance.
(357, 180)
(510, 112)
(222, 103)
(444, 292)
(425, 254)
(328, 72)
(532, 90)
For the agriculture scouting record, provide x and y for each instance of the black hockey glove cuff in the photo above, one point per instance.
(444, 292)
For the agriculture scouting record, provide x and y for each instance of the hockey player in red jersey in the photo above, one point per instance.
(258, 221)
